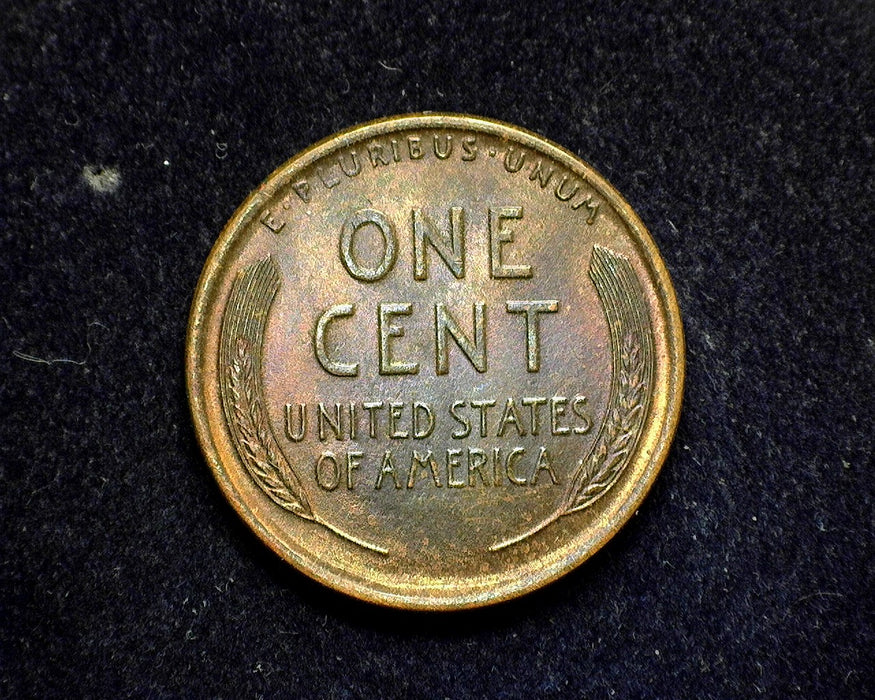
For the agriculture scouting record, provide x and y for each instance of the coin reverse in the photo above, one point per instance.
(435, 361)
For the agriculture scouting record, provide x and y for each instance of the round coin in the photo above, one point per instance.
(435, 361)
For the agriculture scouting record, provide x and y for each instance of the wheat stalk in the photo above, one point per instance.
(260, 453)
(262, 459)
(626, 314)
(597, 473)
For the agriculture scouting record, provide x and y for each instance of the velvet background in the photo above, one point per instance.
(742, 134)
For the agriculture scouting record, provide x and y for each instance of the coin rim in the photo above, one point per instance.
(345, 581)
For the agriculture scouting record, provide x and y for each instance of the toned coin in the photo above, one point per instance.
(435, 361)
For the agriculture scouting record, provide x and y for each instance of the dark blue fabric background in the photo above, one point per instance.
(743, 136)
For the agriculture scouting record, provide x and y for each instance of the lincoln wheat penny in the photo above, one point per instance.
(435, 361)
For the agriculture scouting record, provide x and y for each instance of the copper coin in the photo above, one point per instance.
(435, 361)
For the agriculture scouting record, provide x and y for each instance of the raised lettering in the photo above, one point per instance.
(483, 406)
(445, 324)
(443, 152)
(476, 461)
(352, 421)
(498, 237)
(302, 189)
(414, 147)
(510, 417)
(387, 467)
(323, 418)
(543, 464)
(465, 430)
(453, 463)
(591, 207)
(421, 409)
(388, 330)
(270, 222)
(513, 166)
(561, 193)
(469, 148)
(418, 462)
(327, 473)
(395, 409)
(509, 469)
(557, 410)
(354, 167)
(377, 155)
(578, 407)
(538, 173)
(372, 407)
(533, 402)
(339, 369)
(352, 463)
(329, 179)
(451, 248)
(531, 310)
(351, 226)
(291, 432)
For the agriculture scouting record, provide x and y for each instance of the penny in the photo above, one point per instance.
(435, 361)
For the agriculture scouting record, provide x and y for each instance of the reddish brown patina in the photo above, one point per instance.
(435, 361)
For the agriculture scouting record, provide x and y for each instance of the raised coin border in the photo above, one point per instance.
(665, 408)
